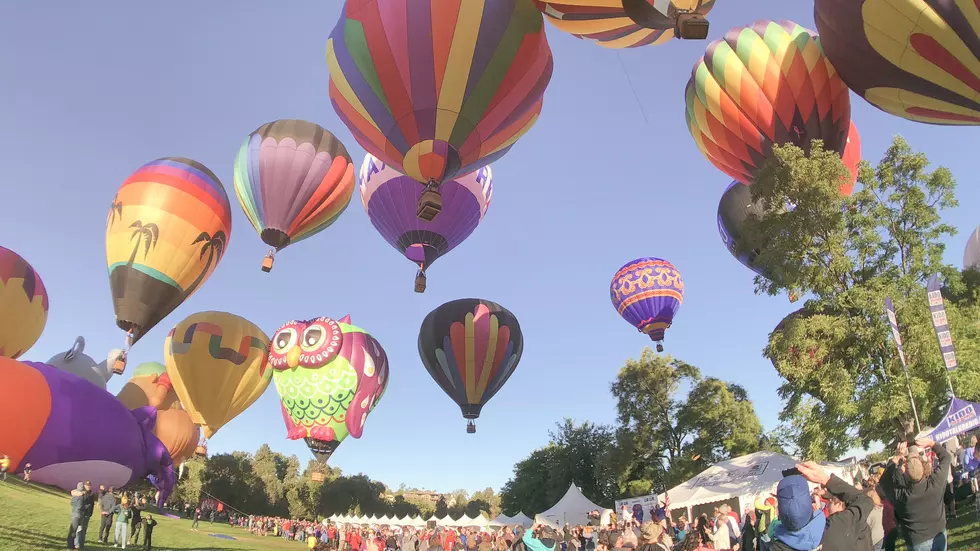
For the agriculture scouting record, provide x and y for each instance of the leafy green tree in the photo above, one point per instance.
(231, 478)
(665, 437)
(188, 489)
(492, 500)
(843, 382)
(442, 508)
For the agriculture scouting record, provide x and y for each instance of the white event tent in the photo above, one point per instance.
(573, 508)
(520, 519)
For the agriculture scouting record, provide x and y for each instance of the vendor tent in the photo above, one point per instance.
(573, 508)
(743, 478)
(520, 519)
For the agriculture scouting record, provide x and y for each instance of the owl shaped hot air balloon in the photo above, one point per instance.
(390, 197)
(763, 85)
(629, 23)
(330, 375)
(470, 347)
(23, 304)
(916, 59)
(648, 292)
(436, 88)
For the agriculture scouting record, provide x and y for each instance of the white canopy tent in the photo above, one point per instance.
(746, 476)
(520, 519)
(573, 508)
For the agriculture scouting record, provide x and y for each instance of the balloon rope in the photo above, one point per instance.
(630, 82)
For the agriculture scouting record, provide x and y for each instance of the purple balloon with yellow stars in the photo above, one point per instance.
(648, 292)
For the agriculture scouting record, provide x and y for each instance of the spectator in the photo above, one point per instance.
(918, 499)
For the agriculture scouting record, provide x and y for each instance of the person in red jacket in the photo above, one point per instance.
(355, 540)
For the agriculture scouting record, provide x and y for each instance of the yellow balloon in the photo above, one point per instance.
(218, 365)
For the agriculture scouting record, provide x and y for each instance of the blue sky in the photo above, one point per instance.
(91, 94)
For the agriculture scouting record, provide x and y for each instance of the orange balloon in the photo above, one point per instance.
(25, 405)
(178, 433)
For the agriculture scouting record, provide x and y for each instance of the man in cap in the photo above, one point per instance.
(77, 499)
(652, 537)
(107, 504)
(917, 494)
(88, 508)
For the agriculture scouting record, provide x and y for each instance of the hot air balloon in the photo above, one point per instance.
(470, 347)
(791, 324)
(390, 199)
(734, 209)
(851, 158)
(77, 362)
(151, 386)
(971, 256)
(167, 229)
(648, 292)
(436, 88)
(23, 304)
(293, 180)
(330, 375)
(761, 85)
(915, 59)
(629, 23)
(217, 363)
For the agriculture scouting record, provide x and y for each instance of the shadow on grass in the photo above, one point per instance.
(20, 486)
(34, 539)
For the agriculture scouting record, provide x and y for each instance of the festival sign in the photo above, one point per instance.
(941, 324)
(732, 476)
(961, 417)
(639, 506)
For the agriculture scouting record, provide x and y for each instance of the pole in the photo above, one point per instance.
(893, 323)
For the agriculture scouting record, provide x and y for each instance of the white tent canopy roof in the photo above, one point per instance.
(573, 508)
(748, 476)
(520, 519)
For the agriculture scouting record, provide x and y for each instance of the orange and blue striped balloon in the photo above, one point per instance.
(293, 179)
(470, 347)
(436, 88)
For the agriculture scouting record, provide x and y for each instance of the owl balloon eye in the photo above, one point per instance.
(284, 340)
(313, 337)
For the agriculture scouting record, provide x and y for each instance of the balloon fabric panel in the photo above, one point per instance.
(762, 85)
(390, 200)
(23, 304)
(916, 59)
(437, 88)
(25, 407)
(734, 209)
(971, 256)
(648, 292)
(293, 179)
(217, 363)
(168, 228)
(470, 347)
(618, 23)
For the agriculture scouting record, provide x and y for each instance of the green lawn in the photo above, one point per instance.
(34, 518)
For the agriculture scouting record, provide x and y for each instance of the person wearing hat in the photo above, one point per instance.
(803, 529)
(88, 508)
(917, 494)
(541, 538)
(652, 537)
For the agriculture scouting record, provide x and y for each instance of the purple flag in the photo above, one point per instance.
(961, 417)
(940, 323)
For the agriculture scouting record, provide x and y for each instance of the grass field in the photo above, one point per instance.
(36, 518)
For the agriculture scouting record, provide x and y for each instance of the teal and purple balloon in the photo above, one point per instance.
(648, 292)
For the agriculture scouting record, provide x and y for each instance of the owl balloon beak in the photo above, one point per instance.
(292, 357)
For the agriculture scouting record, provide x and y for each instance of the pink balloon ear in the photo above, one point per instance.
(345, 319)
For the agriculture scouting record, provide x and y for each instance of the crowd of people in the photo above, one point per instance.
(130, 512)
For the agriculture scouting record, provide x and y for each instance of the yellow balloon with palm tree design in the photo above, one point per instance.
(167, 229)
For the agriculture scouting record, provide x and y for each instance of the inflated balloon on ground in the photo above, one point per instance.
(77, 362)
(470, 347)
(330, 375)
(390, 200)
(915, 59)
(765, 84)
(293, 180)
(23, 304)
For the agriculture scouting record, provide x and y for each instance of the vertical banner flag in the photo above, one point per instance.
(893, 322)
(940, 323)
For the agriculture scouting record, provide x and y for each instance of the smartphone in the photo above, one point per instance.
(790, 472)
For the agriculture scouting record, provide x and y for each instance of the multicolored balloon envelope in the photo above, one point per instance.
(217, 363)
(791, 324)
(916, 59)
(23, 305)
(436, 88)
(70, 430)
(765, 84)
(390, 200)
(330, 375)
(470, 347)
(648, 292)
(621, 23)
(167, 229)
(851, 158)
(971, 256)
(293, 179)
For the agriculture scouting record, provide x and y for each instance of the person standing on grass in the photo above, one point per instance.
(148, 532)
(76, 514)
(917, 493)
(27, 474)
(123, 514)
(136, 524)
(88, 508)
(4, 466)
(197, 519)
(107, 504)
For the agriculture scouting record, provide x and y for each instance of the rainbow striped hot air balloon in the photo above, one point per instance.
(167, 229)
(436, 88)
(765, 84)
(23, 304)
(470, 347)
(624, 23)
(293, 179)
(916, 59)
(648, 292)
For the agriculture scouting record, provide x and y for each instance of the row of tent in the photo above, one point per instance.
(464, 522)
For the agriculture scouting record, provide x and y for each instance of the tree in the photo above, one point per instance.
(442, 508)
(269, 466)
(572, 455)
(666, 438)
(490, 498)
(843, 382)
